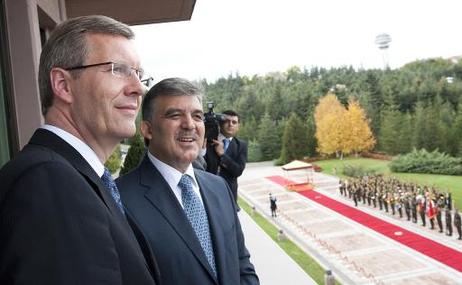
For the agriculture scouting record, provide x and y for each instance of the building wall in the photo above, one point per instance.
(25, 25)
(24, 20)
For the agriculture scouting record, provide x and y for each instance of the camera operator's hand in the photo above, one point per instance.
(219, 148)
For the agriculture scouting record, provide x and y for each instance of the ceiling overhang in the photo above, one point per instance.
(133, 12)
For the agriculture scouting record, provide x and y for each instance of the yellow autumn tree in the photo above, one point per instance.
(328, 116)
(358, 135)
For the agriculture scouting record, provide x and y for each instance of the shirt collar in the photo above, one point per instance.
(170, 174)
(81, 147)
(221, 137)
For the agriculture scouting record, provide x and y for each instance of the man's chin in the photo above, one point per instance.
(191, 156)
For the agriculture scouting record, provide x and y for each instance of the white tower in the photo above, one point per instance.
(383, 42)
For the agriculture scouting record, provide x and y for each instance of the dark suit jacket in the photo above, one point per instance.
(59, 225)
(231, 165)
(148, 197)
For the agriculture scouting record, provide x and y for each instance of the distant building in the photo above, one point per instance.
(455, 59)
(24, 27)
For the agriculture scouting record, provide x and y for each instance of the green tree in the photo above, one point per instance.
(254, 152)
(294, 141)
(389, 130)
(134, 154)
(404, 139)
(311, 133)
(247, 129)
(455, 135)
(268, 139)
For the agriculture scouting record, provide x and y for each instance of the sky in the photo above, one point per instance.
(251, 37)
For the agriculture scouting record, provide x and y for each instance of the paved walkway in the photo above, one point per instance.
(273, 265)
(355, 253)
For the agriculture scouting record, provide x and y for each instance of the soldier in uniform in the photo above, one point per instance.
(421, 206)
(355, 194)
(449, 201)
(399, 206)
(374, 198)
(380, 199)
(448, 222)
(431, 212)
(369, 195)
(439, 210)
(457, 223)
(414, 205)
(407, 207)
(385, 201)
(363, 193)
(342, 188)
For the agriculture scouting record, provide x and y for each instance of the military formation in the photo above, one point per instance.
(415, 203)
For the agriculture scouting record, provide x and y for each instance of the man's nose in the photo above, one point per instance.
(188, 122)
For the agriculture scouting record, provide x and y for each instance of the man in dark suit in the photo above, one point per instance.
(227, 155)
(188, 215)
(61, 218)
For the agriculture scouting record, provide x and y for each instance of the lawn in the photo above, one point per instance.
(442, 182)
(308, 264)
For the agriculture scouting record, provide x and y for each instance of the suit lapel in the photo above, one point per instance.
(215, 216)
(164, 200)
(50, 140)
(232, 148)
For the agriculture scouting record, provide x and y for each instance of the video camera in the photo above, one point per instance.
(212, 123)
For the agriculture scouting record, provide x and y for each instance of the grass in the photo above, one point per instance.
(306, 262)
(442, 182)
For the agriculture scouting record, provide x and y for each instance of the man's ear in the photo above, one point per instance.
(60, 83)
(146, 130)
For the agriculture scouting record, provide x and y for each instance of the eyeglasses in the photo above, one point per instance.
(120, 70)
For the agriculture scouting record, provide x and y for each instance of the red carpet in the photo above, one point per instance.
(435, 250)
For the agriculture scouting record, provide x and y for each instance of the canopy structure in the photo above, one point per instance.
(301, 173)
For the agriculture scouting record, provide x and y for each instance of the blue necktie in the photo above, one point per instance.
(225, 144)
(112, 187)
(197, 216)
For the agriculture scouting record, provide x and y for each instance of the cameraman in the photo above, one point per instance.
(227, 155)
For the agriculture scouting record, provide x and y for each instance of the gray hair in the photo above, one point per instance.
(67, 47)
(168, 87)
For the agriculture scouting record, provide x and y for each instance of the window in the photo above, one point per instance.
(5, 151)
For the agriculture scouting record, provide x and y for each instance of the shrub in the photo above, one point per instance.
(422, 161)
(114, 161)
(134, 154)
(357, 171)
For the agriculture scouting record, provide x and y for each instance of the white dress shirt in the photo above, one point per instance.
(173, 176)
(88, 154)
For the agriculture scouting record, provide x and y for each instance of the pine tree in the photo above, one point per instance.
(311, 134)
(268, 139)
(134, 154)
(455, 146)
(294, 141)
(390, 130)
(404, 137)
(247, 130)
(254, 152)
